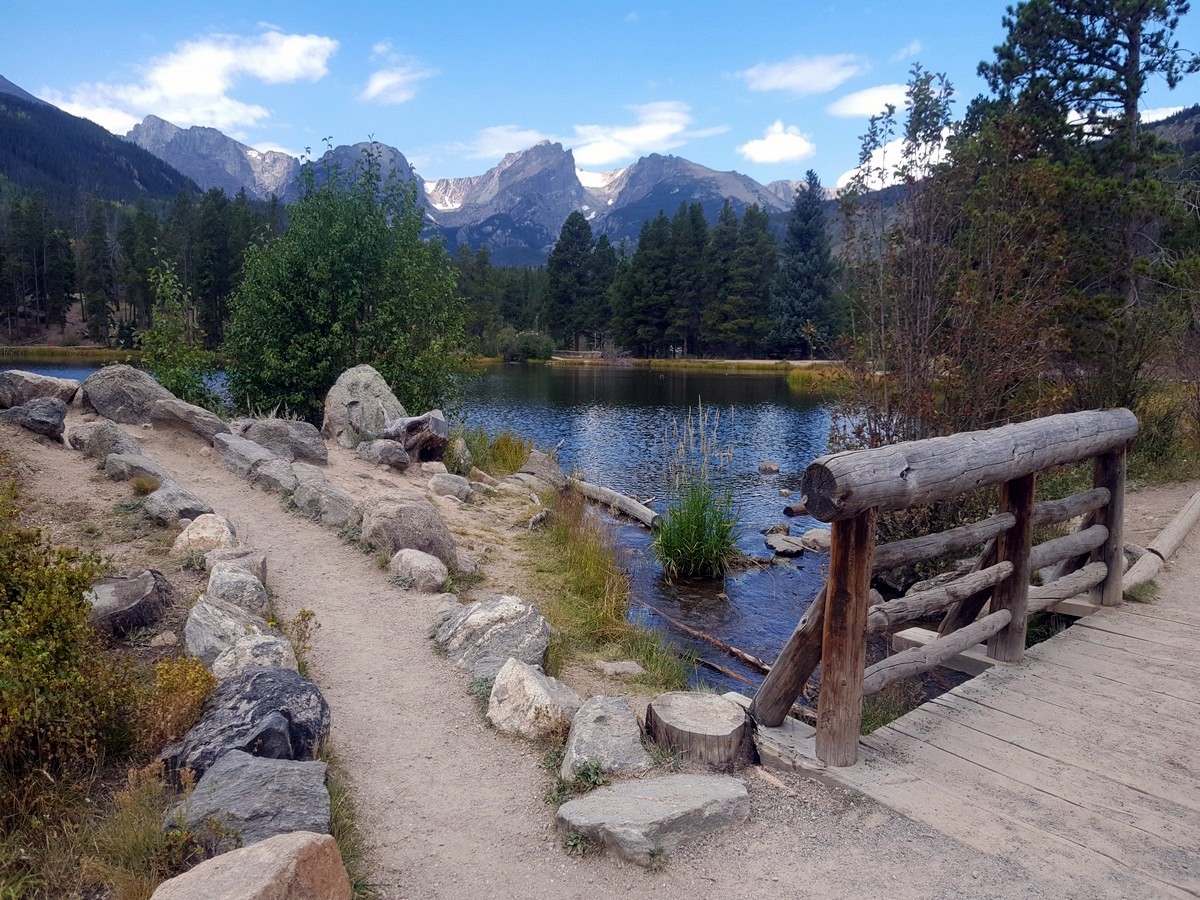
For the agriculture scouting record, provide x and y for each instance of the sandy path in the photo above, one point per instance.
(451, 808)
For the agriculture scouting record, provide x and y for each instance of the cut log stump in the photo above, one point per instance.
(701, 727)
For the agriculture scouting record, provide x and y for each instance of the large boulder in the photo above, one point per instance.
(247, 799)
(123, 394)
(121, 603)
(392, 525)
(213, 626)
(253, 562)
(423, 437)
(359, 407)
(252, 650)
(234, 585)
(324, 503)
(240, 455)
(526, 702)
(448, 485)
(288, 439)
(544, 467)
(206, 532)
(483, 636)
(127, 466)
(641, 821)
(605, 732)
(170, 503)
(43, 415)
(269, 712)
(101, 438)
(296, 866)
(275, 475)
(384, 453)
(18, 388)
(174, 413)
(420, 571)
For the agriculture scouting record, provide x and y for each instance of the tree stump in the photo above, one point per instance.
(702, 727)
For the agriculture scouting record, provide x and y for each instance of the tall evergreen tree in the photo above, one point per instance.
(570, 287)
(97, 279)
(689, 237)
(802, 310)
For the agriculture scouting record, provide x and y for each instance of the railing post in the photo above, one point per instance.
(1016, 497)
(844, 650)
(1109, 472)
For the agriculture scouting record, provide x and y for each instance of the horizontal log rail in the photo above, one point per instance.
(902, 612)
(916, 660)
(1072, 545)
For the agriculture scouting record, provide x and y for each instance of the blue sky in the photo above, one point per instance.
(769, 89)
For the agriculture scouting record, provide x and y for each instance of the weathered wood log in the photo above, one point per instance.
(703, 727)
(625, 505)
(721, 670)
(1109, 472)
(967, 610)
(1048, 512)
(1042, 598)
(905, 610)
(749, 659)
(792, 669)
(841, 486)
(1142, 571)
(1065, 567)
(839, 710)
(1072, 545)
(931, 546)
(1012, 594)
(1177, 529)
(921, 659)
(796, 509)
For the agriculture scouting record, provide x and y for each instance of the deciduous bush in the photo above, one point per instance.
(180, 688)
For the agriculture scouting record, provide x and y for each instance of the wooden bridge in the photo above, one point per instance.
(1077, 755)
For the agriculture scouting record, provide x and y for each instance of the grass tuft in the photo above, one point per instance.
(343, 825)
(1145, 592)
(889, 704)
(498, 455)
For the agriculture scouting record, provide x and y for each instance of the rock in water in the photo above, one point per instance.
(124, 602)
(44, 415)
(123, 394)
(392, 525)
(528, 703)
(251, 799)
(767, 467)
(268, 712)
(176, 413)
(483, 636)
(296, 866)
(819, 540)
(359, 406)
(605, 731)
(288, 439)
(18, 388)
(99, 439)
(640, 821)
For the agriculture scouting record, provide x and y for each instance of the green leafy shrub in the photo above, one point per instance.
(170, 348)
(180, 688)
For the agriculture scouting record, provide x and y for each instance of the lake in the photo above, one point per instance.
(615, 426)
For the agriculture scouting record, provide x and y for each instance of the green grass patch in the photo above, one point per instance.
(1145, 592)
(343, 825)
(498, 455)
(889, 704)
(696, 536)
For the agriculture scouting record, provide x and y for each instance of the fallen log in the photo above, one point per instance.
(752, 661)
(625, 505)
(1177, 529)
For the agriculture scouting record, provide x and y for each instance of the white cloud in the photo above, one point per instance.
(397, 84)
(909, 50)
(779, 143)
(1160, 112)
(804, 74)
(887, 159)
(631, 17)
(866, 103)
(192, 84)
(499, 140)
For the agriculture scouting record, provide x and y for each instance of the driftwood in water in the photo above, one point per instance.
(721, 670)
(752, 661)
(702, 727)
(625, 505)
(796, 509)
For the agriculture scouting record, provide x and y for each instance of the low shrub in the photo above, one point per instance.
(696, 536)
(498, 455)
(180, 688)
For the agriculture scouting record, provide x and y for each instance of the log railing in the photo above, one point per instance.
(849, 490)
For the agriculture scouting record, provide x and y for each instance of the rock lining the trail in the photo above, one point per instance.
(206, 532)
(234, 585)
(527, 702)
(101, 438)
(127, 466)
(43, 415)
(483, 636)
(252, 650)
(605, 731)
(450, 486)
(275, 475)
(359, 406)
(288, 439)
(213, 626)
(169, 503)
(425, 573)
(383, 452)
(415, 524)
(175, 413)
(18, 387)
(240, 455)
(123, 394)
(324, 503)
(247, 559)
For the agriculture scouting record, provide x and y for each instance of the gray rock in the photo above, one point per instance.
(174, 413)
(99, 439)
(640, 821)
(248, 560)
(124, 602)
(767, 467)
(270, 712)
(525, 484)
(450, 486)
(359, 406)
(127, 466)
(545, 467)
(123, 394)
(423, 437)
(785, 545)
(275, 475)
(164, 639)
(252, 650)
(240, 455)
(213, 626)
(18, 387)
(44, 415)
(392, 525)
(233, 585)
(623, 668)
(457, 457)
(326, 504)
(384, 453)
(483, 636)
(170, 503)
(526, 702)
(204, 534)
(605, 731)
(306, 472)
(436, 467)
(421, 571)
(250, 799)
(289, 439)
(819, 540)
(296, 866)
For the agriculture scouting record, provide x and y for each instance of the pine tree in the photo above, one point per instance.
(802, 310)
(568, 268)
(689, 237)
(97, 281)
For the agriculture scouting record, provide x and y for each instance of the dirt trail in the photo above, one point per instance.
(453, 809)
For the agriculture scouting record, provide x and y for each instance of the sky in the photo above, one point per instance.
(768, 89)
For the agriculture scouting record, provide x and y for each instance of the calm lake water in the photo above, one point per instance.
(615, 425)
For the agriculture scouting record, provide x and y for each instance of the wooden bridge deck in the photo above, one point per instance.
(1082, 763)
